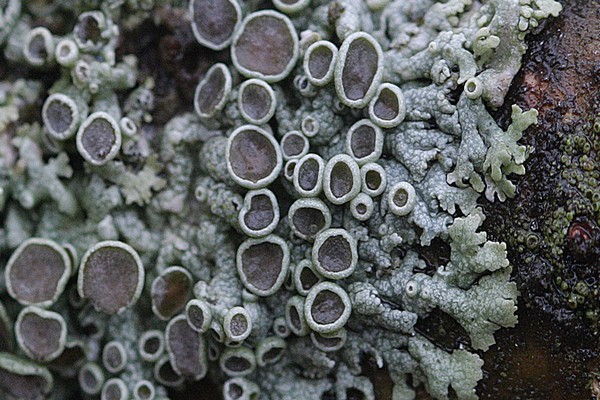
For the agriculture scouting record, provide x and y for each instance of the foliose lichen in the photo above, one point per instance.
(276, 233)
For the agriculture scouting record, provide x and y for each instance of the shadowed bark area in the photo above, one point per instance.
(551, 226)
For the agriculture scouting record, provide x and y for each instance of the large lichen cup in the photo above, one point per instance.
(319, 62)
(151, 345)
(99, 138)
(170, 292)
(111, 276)
(60, 115)
(263, 264)
(265, 46)
(402, 198)
(239, 361)
(215, 21)
(114, 389)
(259, 214)
(199, 315)
(334, 253)
(359, 69)
(373, 179)
(240, 389)
(387, 109)
(308, 175)
(364, 141)
(38, 49)
(294, 145)
(212, 91)
(253, 157)
(327, 308)
(114, 356)
(41, 334)
(186, 348)
(341, 179)
(237, 324)
(37, 272)
(256, 101)
(307, 217)
(24, 379)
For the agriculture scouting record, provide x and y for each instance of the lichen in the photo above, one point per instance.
(300, 270)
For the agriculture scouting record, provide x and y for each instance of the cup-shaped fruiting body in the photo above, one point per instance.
(310, 126)
(144, 390)
(388, 108)
(269, 350)
(362, 207)
(473, 88)
(128, 127)
(256, 101)
(265, 46)
(186, 348)
(239, 361)
(90, 31)
(114, 389)
(373, 179)
(215, 21)
(111, 276)
(199, 315)
(237, 324)
(213, 91)
(319, 62)
(358, 70)
(23, 379)
(170, 292)
(41, 334)
(331, 341)
(291, 6)
(37, 272)
(165, 374)
(114, 356)
(364, 141)
(99, 138)
(305, 277)
(39, 47)
(151, 345)
(66, 53)
(308, 217)
(304, 87)
(240, 389)
(341, 179)
(402, 198)
(263, 264)
(61, 116)
(308, 175)
(91, 378)
(334, 253)
(294, 145)
(253, 157)
(281, 328)
(327, 308)
(294, 316)
(288, 169)
(259, 215)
